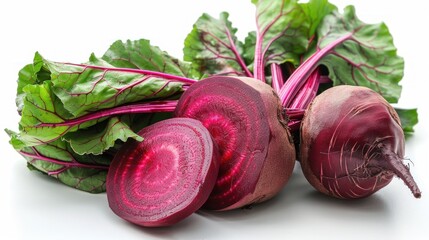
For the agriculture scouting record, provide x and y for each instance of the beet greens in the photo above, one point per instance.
(74, 113)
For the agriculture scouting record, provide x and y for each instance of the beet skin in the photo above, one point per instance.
(352, 143)
(245, 118)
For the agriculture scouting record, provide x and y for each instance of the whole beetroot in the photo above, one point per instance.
(352, 143)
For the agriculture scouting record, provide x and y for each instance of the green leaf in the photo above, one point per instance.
(100, 137)
(42, 117)
(409, 118)
(40, 106)
(368, 58)
(213, 48)
(84, 89)
(249, 49)
(282, 29)
(56, 159)
(315, 11)
(54, 95)
(88, 180)
(140, 54)
(74, 117)
(29, 75)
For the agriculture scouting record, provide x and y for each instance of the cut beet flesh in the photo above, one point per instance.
(167, 176)
(352, 143)
(245, 118)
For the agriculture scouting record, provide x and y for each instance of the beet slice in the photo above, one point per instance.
(166, 177)
(352, 143)
(245, 118)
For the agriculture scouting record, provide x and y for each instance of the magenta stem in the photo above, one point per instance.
(65, 164)
(259, 61)
(238, 56)
(150, 107)
(258, 66)
(305, 96)
(303, 72)
(295, 116)
(307, 93)
(325, 79)
(139, 71)
(277, 80)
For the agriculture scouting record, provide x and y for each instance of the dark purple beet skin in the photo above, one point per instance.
(244, 116)
(352, 143)
(166, 177)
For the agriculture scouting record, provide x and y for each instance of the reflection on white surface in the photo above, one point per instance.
(45, 209)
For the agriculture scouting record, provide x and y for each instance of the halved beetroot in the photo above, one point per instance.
(166, 177)
(245, 118)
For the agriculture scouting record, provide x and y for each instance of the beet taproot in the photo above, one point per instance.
(352, 143)
(245, 118)
(166, 177)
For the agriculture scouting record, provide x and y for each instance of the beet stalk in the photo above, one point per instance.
(352, 143)
(245, 118)
(166, 177)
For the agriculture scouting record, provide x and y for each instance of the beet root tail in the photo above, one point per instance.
(395, 164)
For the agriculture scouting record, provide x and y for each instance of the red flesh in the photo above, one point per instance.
(352, 143)
(165, 178)
(244, 116)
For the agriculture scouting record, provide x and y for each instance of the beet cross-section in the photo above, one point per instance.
(245, 118)
(166, 177)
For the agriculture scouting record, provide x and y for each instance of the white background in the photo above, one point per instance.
(33, 206)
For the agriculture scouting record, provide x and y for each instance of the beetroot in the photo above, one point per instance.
(166, 177)
(245, 118)
(352, 143)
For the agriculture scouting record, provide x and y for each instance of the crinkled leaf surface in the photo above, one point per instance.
(86, 173)
(315, 11)
(282, 33)
(40, 105)
(67, 130)
(85, 179)
(50, 101)
(100, 137)
(369, 58)
(249, 49)
(84, 89)
(140, 54)
(213, 48)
